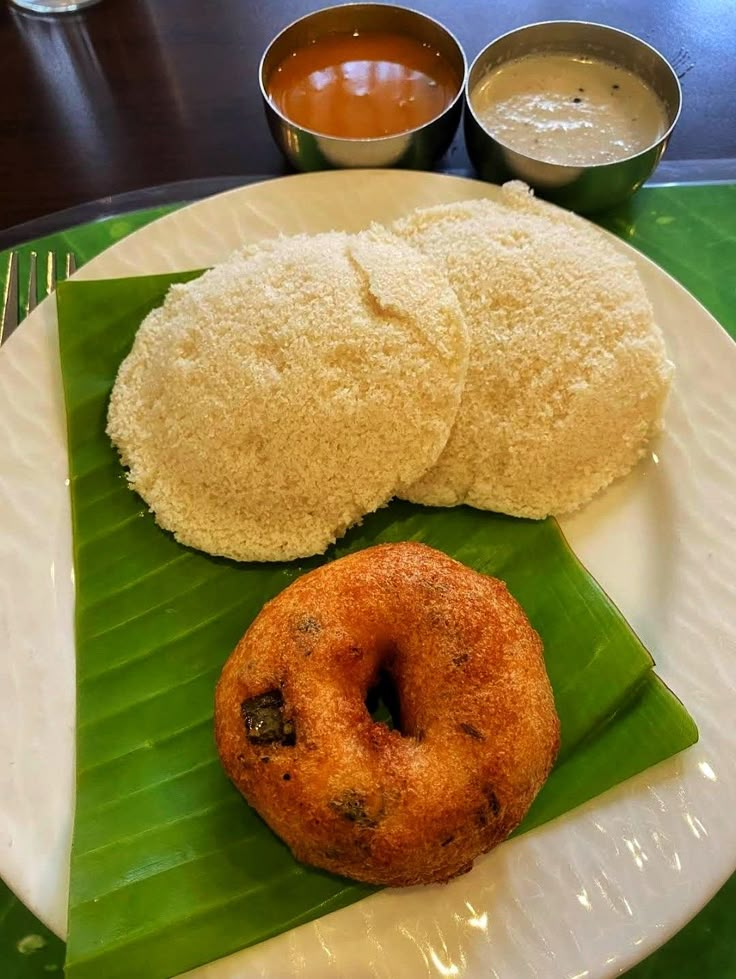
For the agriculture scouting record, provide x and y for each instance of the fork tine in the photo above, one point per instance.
(10, 299)
(32, 297)
(50, 273)
(12, 309)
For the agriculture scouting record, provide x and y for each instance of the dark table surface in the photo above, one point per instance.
(134, 93)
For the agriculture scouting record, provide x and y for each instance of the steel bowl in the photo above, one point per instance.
(415, 149)
(581, 188)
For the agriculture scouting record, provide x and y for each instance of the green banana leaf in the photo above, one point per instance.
(170, 867)
(27, 948)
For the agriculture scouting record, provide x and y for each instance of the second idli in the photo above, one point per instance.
(568, 374)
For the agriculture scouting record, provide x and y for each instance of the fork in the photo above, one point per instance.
(13, 309)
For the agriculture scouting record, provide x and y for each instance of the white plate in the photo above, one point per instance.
(585, 896)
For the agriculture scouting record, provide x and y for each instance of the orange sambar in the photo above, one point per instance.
(363, 85)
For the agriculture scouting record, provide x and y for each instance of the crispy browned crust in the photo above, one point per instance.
(479, 727)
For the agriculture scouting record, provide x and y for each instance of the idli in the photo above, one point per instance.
(268, 405)
(568, 374)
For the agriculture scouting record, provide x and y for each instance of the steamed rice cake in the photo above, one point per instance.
(568, 374)
(268, 405)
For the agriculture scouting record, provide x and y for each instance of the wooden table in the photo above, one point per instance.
(134, 93)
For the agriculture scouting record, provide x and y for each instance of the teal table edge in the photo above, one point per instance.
(688, 230)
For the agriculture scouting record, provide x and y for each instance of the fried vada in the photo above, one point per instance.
(474, 740)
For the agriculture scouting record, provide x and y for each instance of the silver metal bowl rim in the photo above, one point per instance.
(582, 23)
(461, 90)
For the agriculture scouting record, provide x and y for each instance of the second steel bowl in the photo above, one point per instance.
(417, 148)
(581, 188)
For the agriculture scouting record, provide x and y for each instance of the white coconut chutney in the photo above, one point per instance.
(568, 109)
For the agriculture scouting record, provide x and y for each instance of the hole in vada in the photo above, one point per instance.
(382, 702)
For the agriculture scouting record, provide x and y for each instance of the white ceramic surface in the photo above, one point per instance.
(585, 896)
